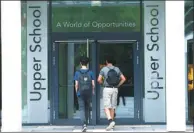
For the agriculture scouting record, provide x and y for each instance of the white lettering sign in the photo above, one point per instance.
(37, 62)
(95, 24)
(154, 56)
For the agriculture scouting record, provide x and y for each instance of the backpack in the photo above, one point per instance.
(85, 82)
(113, 78)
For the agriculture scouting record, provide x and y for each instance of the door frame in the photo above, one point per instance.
(93, 54)
(137, 94)
(55, 82)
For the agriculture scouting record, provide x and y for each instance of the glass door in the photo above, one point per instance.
(66, 55)
(65, 61)
(126, 58)
(190, 78)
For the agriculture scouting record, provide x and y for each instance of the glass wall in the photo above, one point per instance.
(189, 41)
(70, 16)
(190, 89)
(94, 16)
(102, 16)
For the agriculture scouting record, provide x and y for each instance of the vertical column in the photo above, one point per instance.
(154, 61)
(11, 66)
(175, 66)
(37, 61)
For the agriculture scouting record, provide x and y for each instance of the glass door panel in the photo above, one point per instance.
(66, 57)
(69, 53)
(190, 78)
(125, 56)
(62, 99)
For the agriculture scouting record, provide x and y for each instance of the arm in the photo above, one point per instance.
(123, 79)
(101, 74)
(76, 86)
(76, 81)
(100, 79)
(93, 82)
(93, 87)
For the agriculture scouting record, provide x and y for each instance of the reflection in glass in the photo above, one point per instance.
(63, 87)
(189, 28)
(190, 62)
(123, 55)
(69, 55)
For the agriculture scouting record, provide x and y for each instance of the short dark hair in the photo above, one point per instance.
(110, 59)
(84, 60)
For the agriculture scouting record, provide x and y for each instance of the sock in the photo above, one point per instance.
(110, 120)
(85, 124)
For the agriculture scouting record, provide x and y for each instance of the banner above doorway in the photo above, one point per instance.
(85, 18)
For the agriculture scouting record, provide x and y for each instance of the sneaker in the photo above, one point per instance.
(84, 128)
(110, 126)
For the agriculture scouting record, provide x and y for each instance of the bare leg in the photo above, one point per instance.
(108, 113)
(112, 112)
(107, 96)
(110, 116)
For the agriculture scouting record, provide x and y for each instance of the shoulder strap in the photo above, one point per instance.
(111, 68)
(83, 72)
(87, 71)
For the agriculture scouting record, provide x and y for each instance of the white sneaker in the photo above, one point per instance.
(110, 126)
(84, 128)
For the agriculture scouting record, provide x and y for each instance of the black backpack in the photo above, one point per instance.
(85, 82)
(113, 78)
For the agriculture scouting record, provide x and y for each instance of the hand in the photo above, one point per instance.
(93, 92)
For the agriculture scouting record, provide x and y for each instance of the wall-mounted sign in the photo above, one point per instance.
(96, 18)
(37, 71)
(154, 57)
